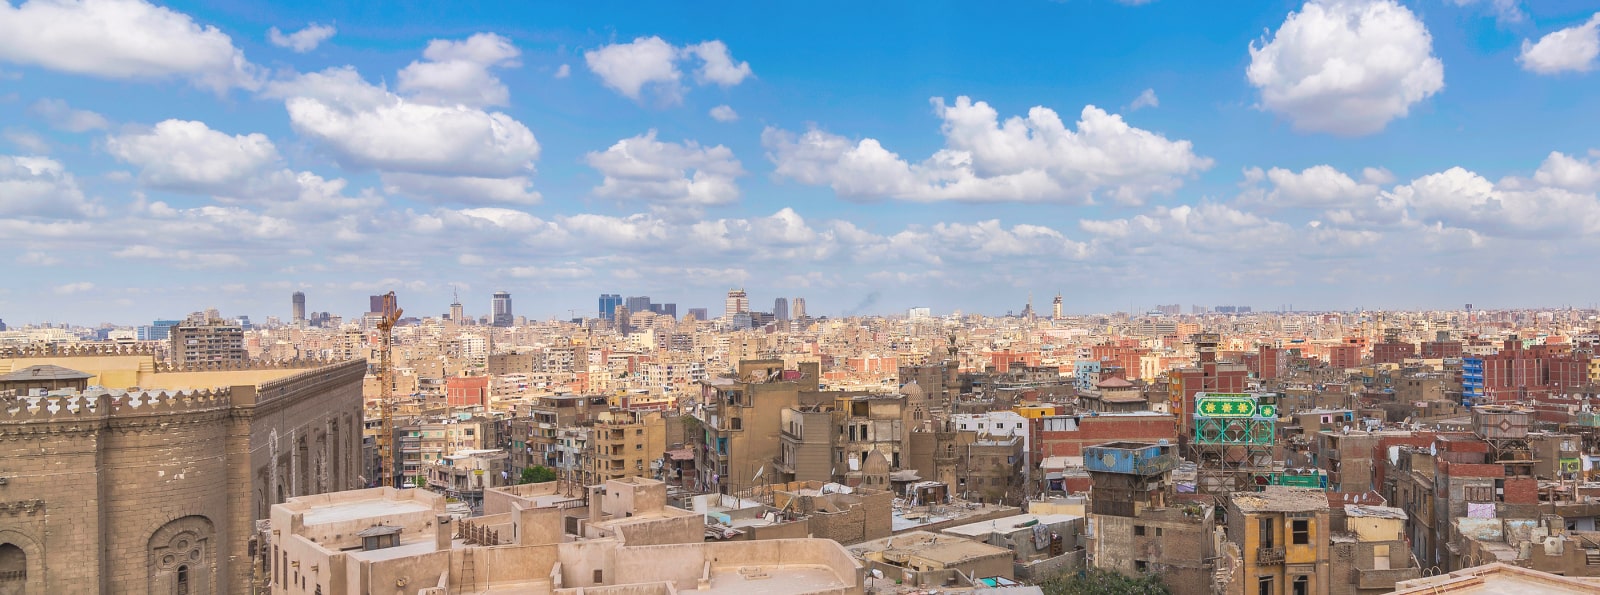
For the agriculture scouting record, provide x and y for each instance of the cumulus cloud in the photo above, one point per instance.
(71, 288)
(26, 141)
(1033, 159)
(63, 117)
(457, 72)
(121, 39)
(1318, 186)
(1573, 49)
(1461, 198)
(1563, 171)
(516, 190)
(723, 113)
(304, 40)
(564, 71)
(1346, 67)
(189, 156)
(40, 187)
(1145, 99)
(367, 126)
(650, 62)
(644, 168)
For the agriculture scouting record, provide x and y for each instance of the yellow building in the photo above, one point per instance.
(1035, 411)
(1280, 541)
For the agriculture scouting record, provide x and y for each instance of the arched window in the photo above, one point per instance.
(13, 568)
(183, 580)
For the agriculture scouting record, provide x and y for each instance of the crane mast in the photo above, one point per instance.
(391, 314)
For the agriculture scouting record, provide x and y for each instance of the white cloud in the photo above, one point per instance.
(564, 71)
(1461, 198)
(27, 141)
(457, 72)
(304, 40)
(629, 67)
(1563, 171)
(1506, 11)
(1035, 159)
(1145, 99)
(121, 39)
(40, 187)
(367, 126)
(1573, 49)
(1318, 186)
(71, 288)
(718, 66)
(63, 117)
(644, 168)
(516, 190)
(38, 259)
(187, 259)
(651, 62)
(190, 156)
(1346, 67)
(723, 113)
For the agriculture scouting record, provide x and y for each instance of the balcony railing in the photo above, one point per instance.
(1269, 555)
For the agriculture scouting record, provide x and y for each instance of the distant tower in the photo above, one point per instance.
(737, 303)
(1027, 312)
(608, 305)
(1055, 308)
(457, 313)
(780, 309)
(299, 309)
(502, 309)
(799, 308)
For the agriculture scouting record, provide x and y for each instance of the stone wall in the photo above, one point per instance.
(130, 494)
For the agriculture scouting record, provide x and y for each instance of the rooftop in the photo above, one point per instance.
(1281, 499)
(1498, 579)
(44, 372)
(944, 549)
(1378, 512)
(1010, 524)
(354, 510)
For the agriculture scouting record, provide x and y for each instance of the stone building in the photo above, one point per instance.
(157, 489)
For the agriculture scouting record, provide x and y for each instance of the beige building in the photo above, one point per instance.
(156, 490)
(391, 541)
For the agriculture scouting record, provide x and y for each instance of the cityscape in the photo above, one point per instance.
(1100, 297)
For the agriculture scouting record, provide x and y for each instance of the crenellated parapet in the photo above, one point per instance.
(84, 407)
(249, 365)
(77, 350)
(53, 408)
(158, 402)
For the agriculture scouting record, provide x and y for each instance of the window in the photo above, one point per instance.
(1477, 493)
(599, 576)
(1302, 585)
(1158, 531)
(1265, 525)
(1141, 566)
(1264, 585)
(1138, 530)
(1301, 529)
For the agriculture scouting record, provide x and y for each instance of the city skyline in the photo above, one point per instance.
(1098, 149)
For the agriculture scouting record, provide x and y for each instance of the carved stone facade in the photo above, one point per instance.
(159, 491)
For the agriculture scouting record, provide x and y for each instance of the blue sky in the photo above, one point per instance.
(157, 159)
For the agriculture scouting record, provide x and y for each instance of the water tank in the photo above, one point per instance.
(1500, 422)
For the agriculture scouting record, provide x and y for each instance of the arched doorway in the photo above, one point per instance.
(13, 570)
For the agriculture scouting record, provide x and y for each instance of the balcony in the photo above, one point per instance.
(1269, 556)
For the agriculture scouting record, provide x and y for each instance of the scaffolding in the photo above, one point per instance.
(1234, 434)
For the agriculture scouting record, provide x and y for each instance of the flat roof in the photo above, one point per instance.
(1281, 499)
(361, 509)
(788, 579)
(1009, 524)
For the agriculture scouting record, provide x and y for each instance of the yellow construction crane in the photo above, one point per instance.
(391, 314)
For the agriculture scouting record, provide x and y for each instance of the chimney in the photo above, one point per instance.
(596, 494)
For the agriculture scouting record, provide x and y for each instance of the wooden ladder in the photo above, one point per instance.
(469, 573)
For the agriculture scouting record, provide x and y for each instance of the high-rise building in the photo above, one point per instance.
(375, 303)
(919, 313)
(780, 308)
(799, 308)
(608, 305)
(737, 302)
(502, 309)
(665, 309)
(160, 330)
(458, 314)
(640, 303)
(698, 314)
(299, 308)
(1055, 308)
(210, 342)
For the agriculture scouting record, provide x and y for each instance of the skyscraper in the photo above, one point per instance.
(799, 308)
(375, 303)
(780, 309)
(608, 305)
(737, 302)
(299, 308)
(640, 303)
(457, 313)
(1055, 308)
(502, 309)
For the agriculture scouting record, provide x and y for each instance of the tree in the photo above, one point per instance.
(1105, 582)
(538, 474)
(419, 481)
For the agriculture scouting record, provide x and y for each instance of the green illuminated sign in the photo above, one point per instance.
(1231, 405)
